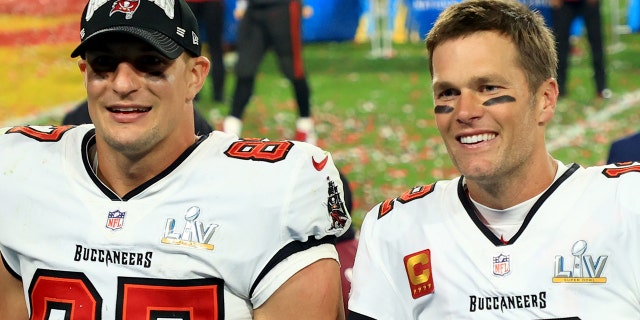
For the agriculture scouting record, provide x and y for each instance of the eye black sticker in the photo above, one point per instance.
(498, 100)
(443, 109)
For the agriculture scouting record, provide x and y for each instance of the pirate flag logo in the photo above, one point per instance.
(335, 207)
(128, 7)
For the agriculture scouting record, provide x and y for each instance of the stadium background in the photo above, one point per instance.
(373, 108)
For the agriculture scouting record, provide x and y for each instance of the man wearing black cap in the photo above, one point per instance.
(136, 217)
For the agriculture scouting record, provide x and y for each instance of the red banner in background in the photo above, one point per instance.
(41, 7)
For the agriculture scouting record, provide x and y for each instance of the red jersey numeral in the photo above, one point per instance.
(63, 293)
(413, 194)
(70, 295)
(385, 207)
(617, 172)
(259, 150)
(200, 299)
(43, 134)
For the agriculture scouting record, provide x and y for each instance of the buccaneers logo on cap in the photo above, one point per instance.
(128, 7)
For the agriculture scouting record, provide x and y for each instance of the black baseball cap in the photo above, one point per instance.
(167, 25)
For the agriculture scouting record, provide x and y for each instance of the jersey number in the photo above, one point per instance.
(259, 150)
(623, 167)
(413, 194)
(42, 133)
(71, 296)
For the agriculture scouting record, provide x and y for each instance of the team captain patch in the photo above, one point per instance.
(418, 267)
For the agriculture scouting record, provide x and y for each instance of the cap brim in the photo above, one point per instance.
(157, 40)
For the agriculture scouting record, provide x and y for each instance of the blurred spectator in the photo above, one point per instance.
(625, 149)
(80, 115)
(210, 16)
(564, 12)
(264, 24)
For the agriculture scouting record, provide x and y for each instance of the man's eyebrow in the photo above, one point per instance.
(441, 85)
(475, 81)
(494, 78)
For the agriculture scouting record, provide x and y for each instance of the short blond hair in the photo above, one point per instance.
(534, 41)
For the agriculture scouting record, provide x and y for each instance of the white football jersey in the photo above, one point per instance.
(211, 237)
(426, 255)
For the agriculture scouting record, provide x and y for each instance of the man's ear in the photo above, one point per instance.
(82, 65)
(198, 74)
(547, 99)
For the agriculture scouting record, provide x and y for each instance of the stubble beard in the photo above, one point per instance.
(134, 148)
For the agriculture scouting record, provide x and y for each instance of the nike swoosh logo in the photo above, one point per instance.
(319, 165)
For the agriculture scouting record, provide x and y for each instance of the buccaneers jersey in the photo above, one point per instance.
(211, 237)
(427, 255)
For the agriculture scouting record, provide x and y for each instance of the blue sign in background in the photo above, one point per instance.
(423, 13)
(332, 20)
(338, 20)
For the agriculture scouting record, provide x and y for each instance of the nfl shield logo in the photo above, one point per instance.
(501, 265)
(115, 220)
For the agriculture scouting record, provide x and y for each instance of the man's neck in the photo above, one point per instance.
(123, 173)
(516, 187)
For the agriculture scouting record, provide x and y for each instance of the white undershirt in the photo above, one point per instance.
(506, 223)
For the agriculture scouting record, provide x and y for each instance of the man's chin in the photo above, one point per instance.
(477, 171)
(129, 143)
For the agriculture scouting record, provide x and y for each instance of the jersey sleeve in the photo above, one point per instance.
(314, 216)
(316, 208)
(29, 147)
(372, 288)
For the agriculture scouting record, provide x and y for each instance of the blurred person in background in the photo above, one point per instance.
(563, 14)
(210, 15)
(625, 149)
(275, 24)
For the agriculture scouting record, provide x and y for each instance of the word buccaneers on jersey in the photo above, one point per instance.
(427, 255)
(211, 237)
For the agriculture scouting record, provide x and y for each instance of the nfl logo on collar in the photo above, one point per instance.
(169, 26)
